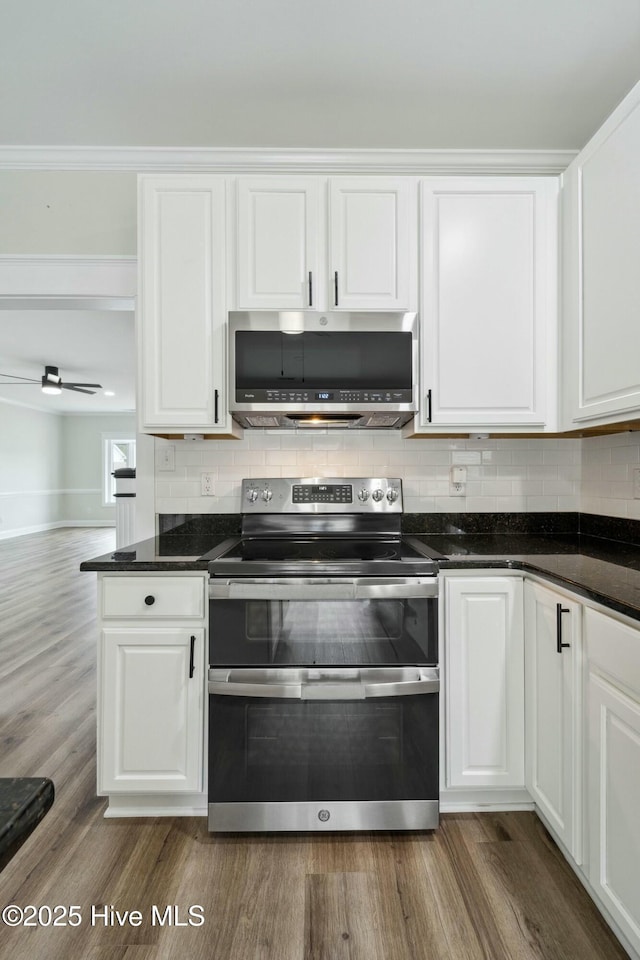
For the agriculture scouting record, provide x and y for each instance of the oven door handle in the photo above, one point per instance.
(370, 588)
(277, 691)
(326, 689)
(402, 688)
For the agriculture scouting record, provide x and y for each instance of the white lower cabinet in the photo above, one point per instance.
(151, 691)
(484, 686)
(152, 718)
(613, 690)
(553, 718)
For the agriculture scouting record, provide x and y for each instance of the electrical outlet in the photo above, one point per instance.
(456, 490)
(167, 457)
(636, 483)
(206, 485)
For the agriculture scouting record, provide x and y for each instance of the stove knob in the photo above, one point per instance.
(378, 495)
(392, 495)
(267, 494)
(363, 495)
(252, 495)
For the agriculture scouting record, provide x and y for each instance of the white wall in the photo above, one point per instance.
(51, 469)
(502, 475)
(67, 212)
(82, 466)
(30, 469)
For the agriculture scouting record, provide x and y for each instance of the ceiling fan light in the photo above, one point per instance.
(49, 387)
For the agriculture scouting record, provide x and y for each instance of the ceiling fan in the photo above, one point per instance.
(51, 382)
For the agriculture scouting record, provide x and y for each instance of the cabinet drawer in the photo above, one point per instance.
(613, 648)
(152, 597)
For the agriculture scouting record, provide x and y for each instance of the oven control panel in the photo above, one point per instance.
(322, 495)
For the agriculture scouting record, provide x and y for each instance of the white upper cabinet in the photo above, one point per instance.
(371, 253)
(278, 243)
(348, 243)
(181, 319)
(601, 279)
(488, 303)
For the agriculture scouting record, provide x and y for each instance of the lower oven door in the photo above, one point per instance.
(330, 749)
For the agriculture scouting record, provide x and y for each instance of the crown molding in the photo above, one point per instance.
(275, 160)
(67, 282)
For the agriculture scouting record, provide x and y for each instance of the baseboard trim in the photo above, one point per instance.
(43, 527)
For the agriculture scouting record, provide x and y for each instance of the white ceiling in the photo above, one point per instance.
(521, 74)
(86, 346)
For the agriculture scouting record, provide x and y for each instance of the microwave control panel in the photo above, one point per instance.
(314, 396)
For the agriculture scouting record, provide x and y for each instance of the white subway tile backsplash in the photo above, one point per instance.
(184, 488)
(476, 504)
(281, 458)
(187, 456)
(251, 457)
(593, 475)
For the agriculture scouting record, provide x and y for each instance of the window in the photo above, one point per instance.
(118, 453)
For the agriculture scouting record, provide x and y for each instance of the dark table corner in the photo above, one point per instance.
(24, 801)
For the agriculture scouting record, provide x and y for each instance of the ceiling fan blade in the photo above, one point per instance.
(74, 384)
(19, 379)
(76, 388)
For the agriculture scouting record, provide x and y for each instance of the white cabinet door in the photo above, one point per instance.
(150, 733)
(278, 243)
(371, 242)
(488, 301)
(613, 650)
(601, 280)
(553, 727)
(484, 727)
(181, 316)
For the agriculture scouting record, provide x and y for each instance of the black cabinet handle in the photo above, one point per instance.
(310, 289)
(559, 611)
(335, 288)
(150, 600)
(215, 405)
(428, 406)
(192, 664)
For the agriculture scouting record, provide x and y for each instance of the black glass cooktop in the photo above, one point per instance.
(366, 557)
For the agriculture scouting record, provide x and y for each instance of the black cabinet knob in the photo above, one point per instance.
(150, 600)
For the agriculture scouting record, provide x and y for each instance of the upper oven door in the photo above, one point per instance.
(295, 362)
(323, 622)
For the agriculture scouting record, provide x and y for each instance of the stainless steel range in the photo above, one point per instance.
(323, 653)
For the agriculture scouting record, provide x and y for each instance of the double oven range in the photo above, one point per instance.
(323, 663)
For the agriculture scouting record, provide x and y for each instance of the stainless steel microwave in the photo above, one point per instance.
(307, 369)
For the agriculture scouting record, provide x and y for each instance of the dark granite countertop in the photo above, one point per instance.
(164, 552)
(596, 557)
(606, 571)
(181, 544)
(23, 803)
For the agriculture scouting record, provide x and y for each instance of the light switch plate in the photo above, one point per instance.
(166, 457)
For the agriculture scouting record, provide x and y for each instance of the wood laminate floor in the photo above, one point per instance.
(482, 887)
